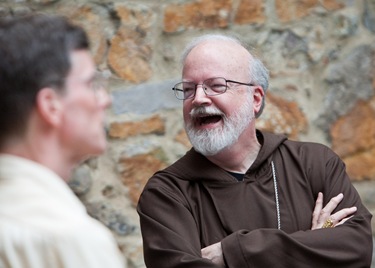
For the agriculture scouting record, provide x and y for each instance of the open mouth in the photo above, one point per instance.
(207, 119)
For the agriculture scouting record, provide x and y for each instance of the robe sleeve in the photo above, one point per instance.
(347, 245)
(170, 234)
(71, 247)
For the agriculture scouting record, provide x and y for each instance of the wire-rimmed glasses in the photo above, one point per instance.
(99, 81)
(211, 87)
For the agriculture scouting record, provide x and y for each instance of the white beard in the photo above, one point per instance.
(211, 142)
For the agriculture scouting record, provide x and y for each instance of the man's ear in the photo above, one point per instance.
(258, 96)
(49, 106)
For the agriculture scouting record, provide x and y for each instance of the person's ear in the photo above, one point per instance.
(258, 96)
(49, 106)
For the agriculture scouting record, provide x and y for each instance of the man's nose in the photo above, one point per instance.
(200, 96)
(104, 99)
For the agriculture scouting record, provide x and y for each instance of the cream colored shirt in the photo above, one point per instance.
(44, 225)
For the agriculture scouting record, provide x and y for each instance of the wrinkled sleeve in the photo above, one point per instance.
(169, 231)
(20, 248)
(347, 245)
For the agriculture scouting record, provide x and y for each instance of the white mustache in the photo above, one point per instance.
(205, 110)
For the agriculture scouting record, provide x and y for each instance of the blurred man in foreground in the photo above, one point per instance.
(51, 118)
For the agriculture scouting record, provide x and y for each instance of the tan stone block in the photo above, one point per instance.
(135, 15)
(361, 166)
(353, 138)
(303, 7)
(250, 11)
(130, 57)
(354, 132)
(174, 19)
(130, 52)
(284, 10)
(288, 10)
(136, 170)
(153, 125)
(332, 4)
(284, 117)
(182, 138)
(92, 22)
(199, 14)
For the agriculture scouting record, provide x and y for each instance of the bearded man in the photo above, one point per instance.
(242, 197)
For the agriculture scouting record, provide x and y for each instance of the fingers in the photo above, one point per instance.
(325, 213)
(214, 253)
(322, 214)
(342, 215)
(316, 213)
(343, 220)
(332, 204)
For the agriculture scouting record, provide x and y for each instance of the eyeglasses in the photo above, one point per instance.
(99, 82)
(211, 87)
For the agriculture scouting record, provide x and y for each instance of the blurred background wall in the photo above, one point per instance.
(321, 57)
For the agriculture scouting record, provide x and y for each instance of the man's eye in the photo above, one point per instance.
(217, 87)
(188, 89)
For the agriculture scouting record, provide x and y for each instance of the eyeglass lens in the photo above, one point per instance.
(212, 86)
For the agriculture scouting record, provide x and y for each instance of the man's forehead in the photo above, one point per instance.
(217, 48)
(81, 62)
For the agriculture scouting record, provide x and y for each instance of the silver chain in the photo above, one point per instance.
(276, 196)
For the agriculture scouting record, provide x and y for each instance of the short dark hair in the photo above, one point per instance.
(34, 53)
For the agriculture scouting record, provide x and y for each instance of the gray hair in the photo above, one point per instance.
(259, 75)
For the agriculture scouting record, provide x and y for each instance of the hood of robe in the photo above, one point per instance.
(194, 166)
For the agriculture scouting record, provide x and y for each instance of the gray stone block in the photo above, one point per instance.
(145, 98)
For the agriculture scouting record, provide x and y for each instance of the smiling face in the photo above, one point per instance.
(82, 128)
(214, 123)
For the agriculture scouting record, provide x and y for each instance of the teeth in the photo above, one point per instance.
(208, 115)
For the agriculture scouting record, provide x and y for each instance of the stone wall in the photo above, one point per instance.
(321, 55)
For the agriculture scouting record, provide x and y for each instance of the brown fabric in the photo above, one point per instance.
(193, 204)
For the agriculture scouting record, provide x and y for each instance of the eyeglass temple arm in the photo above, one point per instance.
(245, 84)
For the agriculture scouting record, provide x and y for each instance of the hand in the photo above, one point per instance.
(214, 253)
(320, 215)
